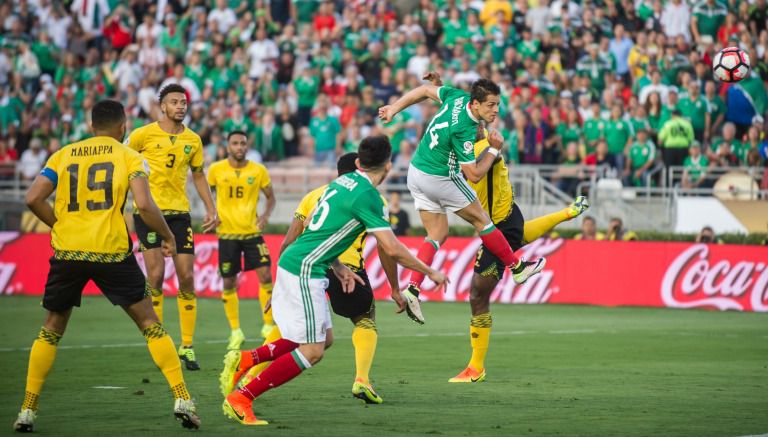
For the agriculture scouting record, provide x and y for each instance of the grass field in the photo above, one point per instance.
(552, 370)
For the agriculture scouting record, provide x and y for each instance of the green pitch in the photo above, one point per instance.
(552, 370)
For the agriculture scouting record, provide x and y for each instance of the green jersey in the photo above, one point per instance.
(641, 154)
(696, 167)
(349, 206)
(594, 129)
(449, 140)
(709, 18)
(695, 110)
(617, 133)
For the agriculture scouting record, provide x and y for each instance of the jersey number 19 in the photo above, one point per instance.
(92, 184)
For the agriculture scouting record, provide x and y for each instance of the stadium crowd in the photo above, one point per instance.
(584, 83)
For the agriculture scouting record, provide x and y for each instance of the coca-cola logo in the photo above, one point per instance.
(458, 264)
(206, 270)
(691, 280)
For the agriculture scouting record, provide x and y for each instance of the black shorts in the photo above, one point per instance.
(350, 305)
(122, 282)
(181, 228)
(237, 256)
(486, 263)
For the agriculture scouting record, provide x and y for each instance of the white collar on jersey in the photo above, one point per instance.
(469, 112)
(362, 173)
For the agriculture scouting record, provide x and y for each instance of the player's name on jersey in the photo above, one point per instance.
(91, 150)
(458, 105)
(347, 182)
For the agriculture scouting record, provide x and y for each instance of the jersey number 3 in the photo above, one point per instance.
(92, 184)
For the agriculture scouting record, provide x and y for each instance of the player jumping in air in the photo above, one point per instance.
(357, 306)
(237, 183)
(349, 205)
(172, 149)
(434, 177)
(91, 180)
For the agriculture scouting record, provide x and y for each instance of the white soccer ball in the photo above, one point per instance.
(731, 64)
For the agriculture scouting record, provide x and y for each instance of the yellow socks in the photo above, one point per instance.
(231, 307)
(164, 354)
(265, 293)
(364, 339)
(157, 300)
(187, 316)
(479, 336)
(539, 226)
(41, 359)
(273, 336)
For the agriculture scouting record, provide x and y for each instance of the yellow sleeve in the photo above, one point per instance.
(197, 160)
(212, 175)
(308, 203)
(265, 180)
(136, 139)
(137, 167)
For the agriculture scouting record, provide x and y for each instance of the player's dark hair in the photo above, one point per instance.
(346, 163)
(374, 151)
(107, 114)
(237, 132)
(482, 88)
(170, 88)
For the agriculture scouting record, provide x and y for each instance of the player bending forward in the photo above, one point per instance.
(237, 183)
(350, 205)
(434, 177)
(498, 199)
(358, 306)
(91, 179)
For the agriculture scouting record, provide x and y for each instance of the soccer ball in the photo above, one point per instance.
(731, 64)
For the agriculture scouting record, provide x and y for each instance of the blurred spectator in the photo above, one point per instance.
(716, 105)
(32, 160)
(695, 108)
(708, 16)
(675, 137)
(618, 135)
(8, 158)
(617, 232)
(325, 130)
(401, 223)
(707, 236)
(268, 138)
(589, 230)
(728, 136)
(676, 19)
(724, 156)
(642, 159)
(222, 17)
(695, 172)
(91, 15)
(620, 47)
(601, 157)
(569, 174)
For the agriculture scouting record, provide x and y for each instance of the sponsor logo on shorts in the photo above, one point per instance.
(226, 267)
(152, 238)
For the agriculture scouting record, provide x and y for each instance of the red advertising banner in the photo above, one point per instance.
(656, 274)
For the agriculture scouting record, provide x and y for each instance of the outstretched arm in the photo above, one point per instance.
(416, 95)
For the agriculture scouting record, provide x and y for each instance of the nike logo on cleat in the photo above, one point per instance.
(239, 416)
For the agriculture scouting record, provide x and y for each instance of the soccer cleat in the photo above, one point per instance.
(526, 269)
(579, 205)
(236, 339)
(231, 373)
(185, 411)
(469, 375)
(365, 392)
(413, 307)
(26, 421)
(187, 354)
(238, 407)
(266, 329)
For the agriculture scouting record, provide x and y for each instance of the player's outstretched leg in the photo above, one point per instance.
(237, 363)
(272, 337)
(436, 225)
(41, 358)
(541, 225)
(364, 340)
(187, 302)
(238, 405)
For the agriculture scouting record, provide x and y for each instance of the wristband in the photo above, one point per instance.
(492, 151)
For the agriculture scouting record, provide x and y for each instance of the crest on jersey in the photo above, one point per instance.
(468, 146)
(187, 149)
(250, 180)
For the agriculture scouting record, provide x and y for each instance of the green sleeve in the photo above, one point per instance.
(371, 211)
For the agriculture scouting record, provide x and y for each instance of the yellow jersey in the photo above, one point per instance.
(92, 182)
(497, 196)
(353, 256)
(237, 197)
(169, 157)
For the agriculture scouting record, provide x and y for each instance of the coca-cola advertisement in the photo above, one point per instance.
(654, 274)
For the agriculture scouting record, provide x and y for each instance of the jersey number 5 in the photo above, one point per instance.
(104, 185)
(321, 211)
